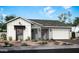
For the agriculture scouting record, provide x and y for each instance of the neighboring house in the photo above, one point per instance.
(76, 30)
(22, 29)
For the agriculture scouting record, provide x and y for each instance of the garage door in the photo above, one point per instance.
(61, 33)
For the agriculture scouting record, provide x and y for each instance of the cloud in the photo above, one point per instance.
(67, 7)
(47, 11)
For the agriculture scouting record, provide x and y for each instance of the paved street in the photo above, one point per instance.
(29, 48)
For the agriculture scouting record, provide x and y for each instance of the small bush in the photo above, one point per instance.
(73, 35)
(39, 38)
(23, 44)
(10, 38)
(7, 44)
(21, 39)
(3, 36)
(45, 39)
(34, 40)
(28, 38)
(43, 42)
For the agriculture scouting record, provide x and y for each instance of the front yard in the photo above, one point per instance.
(5, 43)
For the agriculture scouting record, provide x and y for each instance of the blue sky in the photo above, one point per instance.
(39, 12)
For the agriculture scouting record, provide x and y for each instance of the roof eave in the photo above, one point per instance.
(30, 21)
(59, 26)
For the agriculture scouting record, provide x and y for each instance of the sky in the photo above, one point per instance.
(39, 12)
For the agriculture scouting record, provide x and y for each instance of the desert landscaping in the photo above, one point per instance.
(11, 43)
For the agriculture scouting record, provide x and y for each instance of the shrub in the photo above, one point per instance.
(28, 38)
(21, 39)
(3, 36)
(8, 45)
(23, 44)
(40, 39)
(43, 42)
(73, 35)
(10, 38)
(34, 40)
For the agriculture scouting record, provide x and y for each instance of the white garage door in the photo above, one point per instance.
(61, 33)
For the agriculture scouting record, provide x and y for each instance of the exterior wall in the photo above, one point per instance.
(77, 35)
(12, 33)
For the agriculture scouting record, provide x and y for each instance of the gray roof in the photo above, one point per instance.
(50, 22)
(43, 22)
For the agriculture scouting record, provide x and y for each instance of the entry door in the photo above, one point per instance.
(19, 34)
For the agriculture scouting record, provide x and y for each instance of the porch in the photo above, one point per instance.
(40, 33)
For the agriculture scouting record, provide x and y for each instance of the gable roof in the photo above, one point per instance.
(24, 20)
(50, 22)
(42, 22)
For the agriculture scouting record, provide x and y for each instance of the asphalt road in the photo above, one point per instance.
(41, 49)
(72, 50)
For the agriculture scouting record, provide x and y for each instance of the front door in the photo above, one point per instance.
(19, 34)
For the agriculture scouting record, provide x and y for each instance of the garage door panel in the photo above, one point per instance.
(61, 34)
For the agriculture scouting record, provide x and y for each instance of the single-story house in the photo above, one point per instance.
(22, 29)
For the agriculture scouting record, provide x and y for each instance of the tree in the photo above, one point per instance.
(3, 25)
(7, 18)
(65, 16)
(76, 21)
(62, 17)
(69, 17)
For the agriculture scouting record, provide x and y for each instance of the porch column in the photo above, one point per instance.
(39, 33)
(50, 33)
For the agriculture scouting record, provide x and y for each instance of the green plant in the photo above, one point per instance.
(23, 44)
(73, 35)
(40, 39)
(34, 40)
(43, 42)
(28, 38)
(3, 36)
(10, 38)
(21, 39)
(7, 44)
(46, 39)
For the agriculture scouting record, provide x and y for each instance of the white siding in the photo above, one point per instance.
(12, 33)
(76, 35)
